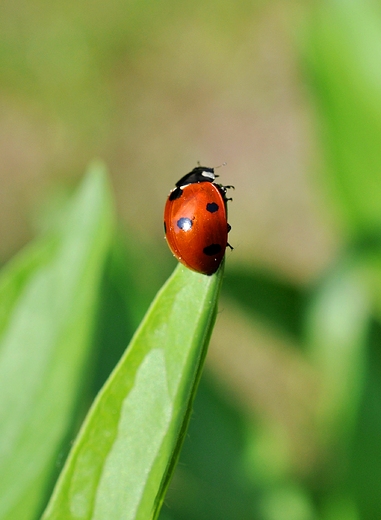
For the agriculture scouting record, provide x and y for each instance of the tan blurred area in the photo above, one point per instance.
(151, 91)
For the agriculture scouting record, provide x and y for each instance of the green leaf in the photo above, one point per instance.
(343, 54)
(48, 296)
(124, 456)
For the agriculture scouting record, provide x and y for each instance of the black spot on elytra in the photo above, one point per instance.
(229, 227)
(165, 228)
(184, 223)
(212, 249)
(175, 194)
(212, 207)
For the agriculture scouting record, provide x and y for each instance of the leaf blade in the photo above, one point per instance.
(140, 416)
(47, 299)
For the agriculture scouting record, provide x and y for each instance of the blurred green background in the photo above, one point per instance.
(287, 421)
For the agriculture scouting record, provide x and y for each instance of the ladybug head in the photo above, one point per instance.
(198, 174)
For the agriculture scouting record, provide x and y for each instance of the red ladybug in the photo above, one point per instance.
(195, 220)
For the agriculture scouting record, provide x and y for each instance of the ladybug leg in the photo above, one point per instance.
(223, 190)
(228, 188)
(228, 245)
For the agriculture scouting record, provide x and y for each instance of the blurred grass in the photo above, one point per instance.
(153, 86)
(45, 343)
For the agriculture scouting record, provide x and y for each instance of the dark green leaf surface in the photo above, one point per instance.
(121, 463)
(210, 481)
(364, 474)
(279, 303)
(47, 302)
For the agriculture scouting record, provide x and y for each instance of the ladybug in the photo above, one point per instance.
(195, 220)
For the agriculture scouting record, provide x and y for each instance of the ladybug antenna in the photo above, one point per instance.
(221, 165)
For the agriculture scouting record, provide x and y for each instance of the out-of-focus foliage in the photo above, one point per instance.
(343, 49)
(287, 419)
(48, 299)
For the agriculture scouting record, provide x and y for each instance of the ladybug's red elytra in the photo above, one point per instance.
(195, 220)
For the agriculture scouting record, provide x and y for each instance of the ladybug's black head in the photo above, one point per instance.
(198, 174)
